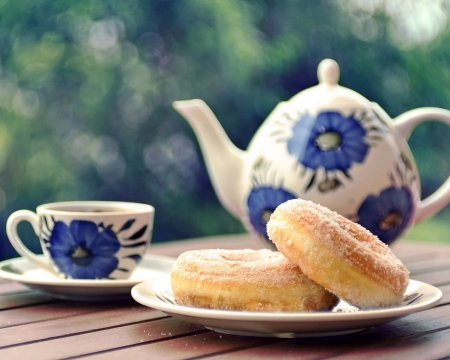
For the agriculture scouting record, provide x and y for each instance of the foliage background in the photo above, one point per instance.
(86, 89)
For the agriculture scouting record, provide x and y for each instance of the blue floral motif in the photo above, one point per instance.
(329, 140)
(388, 214)
(262, 202)
(82, 251)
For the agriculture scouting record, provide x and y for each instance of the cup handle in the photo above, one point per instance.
(11, 230)
(404, 124)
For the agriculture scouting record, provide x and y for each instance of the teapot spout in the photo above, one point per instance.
(224, 161)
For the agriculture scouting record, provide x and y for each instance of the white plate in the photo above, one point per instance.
(343, 319)
(22, 271)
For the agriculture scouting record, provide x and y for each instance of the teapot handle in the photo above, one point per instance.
(404, 124)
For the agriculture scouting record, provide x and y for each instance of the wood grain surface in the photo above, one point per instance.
(35, 326)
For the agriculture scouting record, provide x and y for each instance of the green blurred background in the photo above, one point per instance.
(86, 89)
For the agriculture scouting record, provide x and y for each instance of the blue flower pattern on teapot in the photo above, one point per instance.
(328, 143)
(328, 140)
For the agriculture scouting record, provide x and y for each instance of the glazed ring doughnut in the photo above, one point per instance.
(338, 254)
(252, 280)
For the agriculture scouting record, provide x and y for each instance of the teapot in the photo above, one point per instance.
(327, 144)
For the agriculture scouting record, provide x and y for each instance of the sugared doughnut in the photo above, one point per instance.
(252, 280)
(339, 254)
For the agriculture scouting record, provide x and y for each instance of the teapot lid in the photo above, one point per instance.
(328, 94)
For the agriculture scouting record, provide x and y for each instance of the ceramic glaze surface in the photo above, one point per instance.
(321, 157)
(327, 144)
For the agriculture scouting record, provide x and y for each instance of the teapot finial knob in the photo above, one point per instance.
(328, 72)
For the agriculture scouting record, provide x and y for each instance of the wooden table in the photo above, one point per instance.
(36, 326)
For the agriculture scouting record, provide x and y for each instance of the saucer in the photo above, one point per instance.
(22, 271)
(343, 319)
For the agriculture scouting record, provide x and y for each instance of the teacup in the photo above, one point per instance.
(86, 239)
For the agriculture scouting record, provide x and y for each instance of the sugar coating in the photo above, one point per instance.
(262, 266)
(339, 254)
(255, 280)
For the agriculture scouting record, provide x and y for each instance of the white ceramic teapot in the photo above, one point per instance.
(327, 144)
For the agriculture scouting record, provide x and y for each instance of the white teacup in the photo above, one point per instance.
(87, 239)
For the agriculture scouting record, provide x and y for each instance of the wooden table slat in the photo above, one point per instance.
(76, 324)
(425, 266)
(56, 310)
(186, 347)
(12, 287)
(24, 298)
(106, 339)
(435, 278)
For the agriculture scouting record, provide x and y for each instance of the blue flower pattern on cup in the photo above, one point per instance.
(261, 203)
(83, 250)
(388, 214)
(328, 140)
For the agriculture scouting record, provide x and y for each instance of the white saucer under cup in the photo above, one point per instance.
(26, 273)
